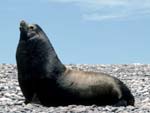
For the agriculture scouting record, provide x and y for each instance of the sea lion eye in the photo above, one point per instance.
(31, 27)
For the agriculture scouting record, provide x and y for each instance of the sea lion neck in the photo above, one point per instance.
(56, 68)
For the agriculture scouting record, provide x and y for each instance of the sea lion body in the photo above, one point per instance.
(41, 75)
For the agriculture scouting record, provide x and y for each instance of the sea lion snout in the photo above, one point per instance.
(23, 25)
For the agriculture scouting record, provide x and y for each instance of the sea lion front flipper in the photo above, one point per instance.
(26, 87)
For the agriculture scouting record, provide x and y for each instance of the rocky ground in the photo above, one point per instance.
(136, 76)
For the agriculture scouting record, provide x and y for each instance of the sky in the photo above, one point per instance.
(81, 31)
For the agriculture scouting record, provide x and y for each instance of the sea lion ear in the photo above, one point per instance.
(38, 28)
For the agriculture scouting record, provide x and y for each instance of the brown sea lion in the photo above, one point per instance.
(41, 75)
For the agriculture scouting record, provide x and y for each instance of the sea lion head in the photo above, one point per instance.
(30, 31)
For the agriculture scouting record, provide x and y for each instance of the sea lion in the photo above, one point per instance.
(41, 75)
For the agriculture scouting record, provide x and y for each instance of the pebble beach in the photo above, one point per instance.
(135, 76)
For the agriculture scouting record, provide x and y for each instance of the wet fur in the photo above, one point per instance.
(41, 75)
